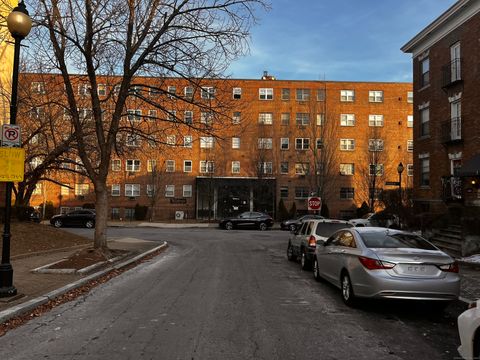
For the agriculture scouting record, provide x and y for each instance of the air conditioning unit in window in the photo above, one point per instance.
(179, 215)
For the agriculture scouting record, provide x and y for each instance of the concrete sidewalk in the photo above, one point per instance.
(35, 289)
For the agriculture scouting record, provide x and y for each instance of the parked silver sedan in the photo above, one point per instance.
(375, 262)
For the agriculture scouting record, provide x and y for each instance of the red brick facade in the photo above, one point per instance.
(267, 113)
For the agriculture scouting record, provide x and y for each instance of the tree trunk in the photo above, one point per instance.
(101, 208)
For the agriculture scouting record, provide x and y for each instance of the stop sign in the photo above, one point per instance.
(314, 203)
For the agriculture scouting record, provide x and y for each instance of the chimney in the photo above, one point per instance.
(267, 77)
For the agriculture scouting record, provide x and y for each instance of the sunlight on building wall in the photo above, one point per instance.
(6, 60)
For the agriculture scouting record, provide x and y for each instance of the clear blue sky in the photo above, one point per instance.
(357, 40)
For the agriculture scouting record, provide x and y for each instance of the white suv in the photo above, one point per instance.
(303, 242)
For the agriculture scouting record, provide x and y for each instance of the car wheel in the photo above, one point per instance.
(347, 290)
(89, 224)
(229, 226)
(292, 227)
(58, 223)
(290, 255)
(316, 271)
(304, 263)
(262, 226)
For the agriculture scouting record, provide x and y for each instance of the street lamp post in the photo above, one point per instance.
(400, 169)
(19, 25)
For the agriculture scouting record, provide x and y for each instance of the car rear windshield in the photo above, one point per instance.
(327, 229)
(384, 240)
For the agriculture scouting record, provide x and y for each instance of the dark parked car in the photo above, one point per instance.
(249, 219)
(84, 217)
(294, 224)
(35, 217)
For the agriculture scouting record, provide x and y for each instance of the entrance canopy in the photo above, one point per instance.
(471, 167)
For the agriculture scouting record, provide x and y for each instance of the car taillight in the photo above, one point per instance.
(452, 267)
(373, 264)
(312, 241)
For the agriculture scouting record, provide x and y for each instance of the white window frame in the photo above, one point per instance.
(265, 118)
(347, 119)
(116, 190)
(379, 169)
(169, 191)
(187, 141)
(410, 145)
(188, 117)
(375, 145)
(187, 191)
(265, 143)
(170, 166)
(132, 190)
(347, 144)
(302, 119)
(375, 120)
(409, 169)
(151, 165)
(236, 117)
(235, 142)
(302, 143)
(207, 92)
(410, 121)
(82, 189)
(347, 169)
(347, 95)
(237, 93)
(187, 167)
(302, 168)
(375, 96)
(206, 142)
(207, 167)
(133, 140)
(171, 140)
(265, 94)
(284, 143)
(235, 167)
(132, 165)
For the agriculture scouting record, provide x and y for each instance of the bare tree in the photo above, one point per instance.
(111, 43)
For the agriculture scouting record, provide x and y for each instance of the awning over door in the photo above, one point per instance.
(471, 167)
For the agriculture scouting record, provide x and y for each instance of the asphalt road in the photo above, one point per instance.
(227, 295)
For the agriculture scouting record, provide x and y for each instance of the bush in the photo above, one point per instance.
(282, 212)
(49, 209)
(363, 209)
(293, 211)
(140, 212)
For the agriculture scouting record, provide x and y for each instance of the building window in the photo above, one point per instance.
(302, 143)
(285, 94)
(207, 166)
(320, 94)
(82, 189)
(171, 140)
(284, 191)
(206, 118)
(410, 145)
(301, 192)
(409, 169)
(132, 165)
(347, 95)
(320, 119)
(265, 94)
(188, 91)
(172, 115)
(187, 190)
(208, 92)
(237, 93)
(410, 97)
(235, 167)
(170, 166)
(187, 165)
(375, 145)
(151, 165)
(376, 169)
(169, 190)
(347, 144)
(65, 190)
(303, 94)
(285, 118)
(318, 143)
(409, 121)
(284, 167)
(265, 118)
(375, 96)
(284, 143)
(425, 72)
(235, 143)
(171, 91)
(101, 89)
(150, 190)
(265, 143)
(347, 193)
(188, 117)
(265, 167)
(134, 115)
(133, 140)
(237, 117)
(152, 115)
(347, 169)
(115, 189)
(115, 214)
(302, 168)
(187, 141)
(425, 122)
(425, 171)
(375, 120)
(206, 142)
(347, 119)
(129, 213)
(455, 70)
(37, 87)
(83, 89)
(302, 119)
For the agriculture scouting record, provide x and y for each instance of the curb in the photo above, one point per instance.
(28, 306)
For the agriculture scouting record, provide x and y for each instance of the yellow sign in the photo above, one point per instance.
(12, 164)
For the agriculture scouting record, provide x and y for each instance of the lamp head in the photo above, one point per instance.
(19, 22)
(400, 168)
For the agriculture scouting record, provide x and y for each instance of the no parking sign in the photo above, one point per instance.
(11, 136)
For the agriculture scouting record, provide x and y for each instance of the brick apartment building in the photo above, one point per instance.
(446, 80)
(278, 139)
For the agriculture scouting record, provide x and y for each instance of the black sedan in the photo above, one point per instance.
(248, 219)
(83, 217)
(294, 224)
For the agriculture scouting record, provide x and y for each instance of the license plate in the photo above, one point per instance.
(416, 269)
